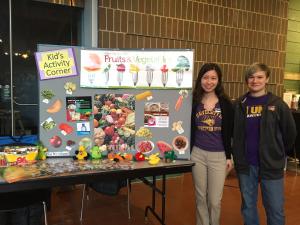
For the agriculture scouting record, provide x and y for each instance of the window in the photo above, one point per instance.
(32, 22)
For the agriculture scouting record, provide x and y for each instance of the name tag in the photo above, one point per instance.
(217, 110)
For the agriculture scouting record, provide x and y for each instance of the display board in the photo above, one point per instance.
(119, 100)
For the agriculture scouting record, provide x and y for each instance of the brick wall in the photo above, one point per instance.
(233, 33)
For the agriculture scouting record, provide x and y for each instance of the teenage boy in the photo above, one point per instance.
(264, 131)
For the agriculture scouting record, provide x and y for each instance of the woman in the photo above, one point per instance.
(211, 142)
(264, 130)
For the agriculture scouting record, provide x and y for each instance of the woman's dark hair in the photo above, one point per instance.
(198, 90)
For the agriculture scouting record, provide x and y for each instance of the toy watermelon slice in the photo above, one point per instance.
(163, 146)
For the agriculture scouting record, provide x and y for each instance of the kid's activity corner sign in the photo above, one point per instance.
(56, 63)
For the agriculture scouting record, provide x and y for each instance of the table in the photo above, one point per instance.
(72, 172)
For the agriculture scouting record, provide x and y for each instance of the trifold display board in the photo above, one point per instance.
(119, 100)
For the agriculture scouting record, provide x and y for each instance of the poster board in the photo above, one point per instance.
(128, 116)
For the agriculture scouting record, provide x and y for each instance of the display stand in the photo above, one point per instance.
(151, 89)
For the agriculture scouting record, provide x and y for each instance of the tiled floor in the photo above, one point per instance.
(180, 205)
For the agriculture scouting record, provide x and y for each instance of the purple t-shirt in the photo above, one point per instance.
(254, 107)
(208, 134)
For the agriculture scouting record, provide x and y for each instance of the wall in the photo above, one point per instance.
(233, 33)
(292, 63)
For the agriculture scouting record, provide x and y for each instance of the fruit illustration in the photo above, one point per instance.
(145, 146)
(180, 143)
(65, 128)
(163, 146)
(55, 107)
(93, 63)
(55, 141)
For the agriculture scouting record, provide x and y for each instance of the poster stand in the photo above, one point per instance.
(118, 100)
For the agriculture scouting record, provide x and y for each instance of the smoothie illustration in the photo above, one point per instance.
(134, 70)
(182, 65)
(164, 74)
(121, 70)
(106, 72)
(149, 70)
(92, 65)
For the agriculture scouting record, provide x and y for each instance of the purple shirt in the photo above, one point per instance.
(254, 107)
(208, 134)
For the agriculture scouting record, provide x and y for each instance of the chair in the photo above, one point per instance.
(85, 192)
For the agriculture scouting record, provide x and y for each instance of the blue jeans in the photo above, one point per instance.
(272, 195)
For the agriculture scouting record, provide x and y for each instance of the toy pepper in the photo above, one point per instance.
(170, 156)
(81, 153)
(139, 156)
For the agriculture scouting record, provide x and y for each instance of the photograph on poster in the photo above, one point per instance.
(78, 108)
(83, 128)
(169, 69)
(156, 114)
(114, 121)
